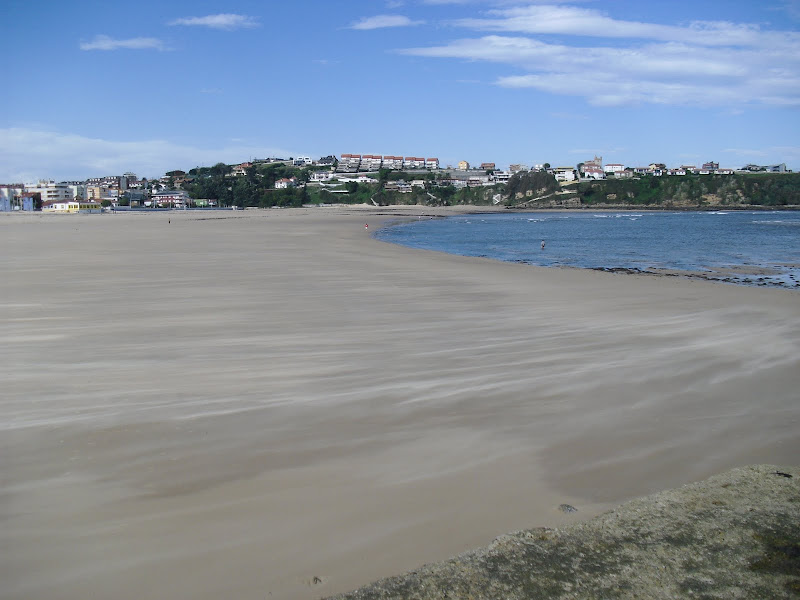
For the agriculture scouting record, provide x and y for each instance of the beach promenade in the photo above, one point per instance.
(270, 403)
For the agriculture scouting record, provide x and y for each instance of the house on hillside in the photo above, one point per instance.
(241, 169)
(320, 176)
(284, 183)
(613, 168)
(564, 174)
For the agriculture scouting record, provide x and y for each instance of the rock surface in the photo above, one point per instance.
(735, 535)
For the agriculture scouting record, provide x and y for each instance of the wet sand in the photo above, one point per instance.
(271, 403)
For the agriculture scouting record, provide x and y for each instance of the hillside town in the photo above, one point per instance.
(330, 173)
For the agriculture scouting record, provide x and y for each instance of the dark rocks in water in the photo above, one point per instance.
(567, 508)
(735, 535)
(625, 270)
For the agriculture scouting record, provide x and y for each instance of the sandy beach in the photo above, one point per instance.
(270, 403)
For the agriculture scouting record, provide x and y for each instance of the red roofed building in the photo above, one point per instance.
(393, 162)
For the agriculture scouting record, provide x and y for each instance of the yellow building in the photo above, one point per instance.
(463, 166)
(72, 206)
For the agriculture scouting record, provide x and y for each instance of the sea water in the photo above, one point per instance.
(747, 248)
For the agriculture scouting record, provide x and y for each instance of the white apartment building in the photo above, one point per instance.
(431, 163)
(51, 191)
(501, 176)
(350, 161)
(393, 162)
(371, 162)
(9, 191)
(564, 173)
(614, 168)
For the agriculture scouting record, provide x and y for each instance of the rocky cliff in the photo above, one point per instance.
(735, 535)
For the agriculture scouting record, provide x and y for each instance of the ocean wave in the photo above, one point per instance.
(784, 223)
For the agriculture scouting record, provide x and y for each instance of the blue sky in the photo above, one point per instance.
(98, 88)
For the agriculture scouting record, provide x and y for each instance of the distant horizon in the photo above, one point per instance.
(178, 85)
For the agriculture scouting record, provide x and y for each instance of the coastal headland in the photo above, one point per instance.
(734, 535)
(271, 403)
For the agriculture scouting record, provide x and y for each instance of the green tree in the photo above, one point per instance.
(220, 169)
(446, 193)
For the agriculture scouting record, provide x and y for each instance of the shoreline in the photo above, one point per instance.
(744, 274)
(245, 402)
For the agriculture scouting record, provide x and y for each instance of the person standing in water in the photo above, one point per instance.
(542, 244)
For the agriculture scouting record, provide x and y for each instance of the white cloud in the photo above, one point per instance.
(104, 42)
(381, 21)
(27, 155)
(571, 20)
(226, 21)
(656, 73)
(705, 63)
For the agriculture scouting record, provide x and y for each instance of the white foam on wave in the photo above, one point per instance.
(778, 222)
